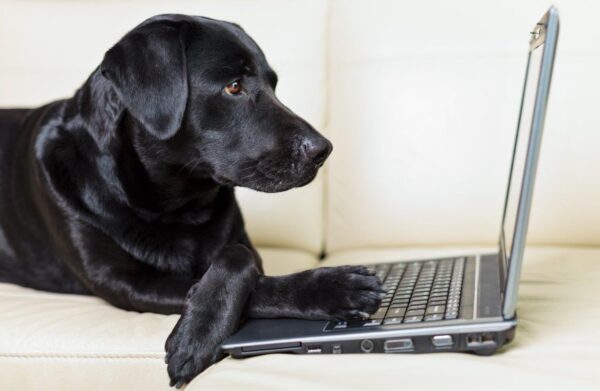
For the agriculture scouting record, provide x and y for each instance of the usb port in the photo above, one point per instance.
(474, 340)
(313, 349)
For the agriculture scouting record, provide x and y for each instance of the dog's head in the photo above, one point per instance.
(205, 94)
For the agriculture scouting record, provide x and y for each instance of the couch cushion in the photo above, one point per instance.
(424, 103)
(68, 342)
(50, 47)
(63, 342)
(556, 347)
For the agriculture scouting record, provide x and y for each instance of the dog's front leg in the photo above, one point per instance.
(343, 292)
(211, 313)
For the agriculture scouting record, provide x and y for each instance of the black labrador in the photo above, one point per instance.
(126, 190)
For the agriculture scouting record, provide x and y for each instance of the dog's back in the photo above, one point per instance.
(10, 124)
(25, 258)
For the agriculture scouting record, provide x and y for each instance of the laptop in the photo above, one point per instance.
(465, 303)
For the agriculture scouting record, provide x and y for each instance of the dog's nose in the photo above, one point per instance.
(317, 150)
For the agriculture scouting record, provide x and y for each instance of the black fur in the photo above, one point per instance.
(126, 190)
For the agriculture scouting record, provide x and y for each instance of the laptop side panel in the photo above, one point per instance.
(482, 338)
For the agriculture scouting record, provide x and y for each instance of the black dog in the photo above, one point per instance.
(126, 190)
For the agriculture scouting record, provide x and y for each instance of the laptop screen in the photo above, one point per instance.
(520, 149)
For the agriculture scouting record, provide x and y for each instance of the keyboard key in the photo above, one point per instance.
(421, 290)
(396, 312)
(389, 321)
(419, 312)
(436, 309)
(380, 314)
(412, 319)
(437, 302)
(372, 322)
(429, 318)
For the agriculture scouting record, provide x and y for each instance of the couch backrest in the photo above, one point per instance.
(48, 48)
(423, 109)
(419, 98)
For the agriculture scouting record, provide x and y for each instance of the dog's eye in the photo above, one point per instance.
(233, 88)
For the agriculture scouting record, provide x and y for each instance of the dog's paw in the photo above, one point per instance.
(189, 353)
(347, 292)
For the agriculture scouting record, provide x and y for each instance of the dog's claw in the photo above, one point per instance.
(357, 293)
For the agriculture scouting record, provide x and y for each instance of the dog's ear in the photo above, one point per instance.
(148, 69)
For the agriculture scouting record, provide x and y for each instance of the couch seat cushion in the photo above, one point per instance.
(69, 342)
(556, 345)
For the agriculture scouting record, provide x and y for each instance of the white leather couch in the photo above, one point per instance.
(420, 100)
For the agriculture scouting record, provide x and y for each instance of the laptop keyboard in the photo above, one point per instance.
(424, 291)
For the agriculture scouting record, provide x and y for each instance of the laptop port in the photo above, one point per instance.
(487, 338)
(473, 340)
(480, 341)
(442, 341)
(367, 346)
(398, 345)
(313, 349)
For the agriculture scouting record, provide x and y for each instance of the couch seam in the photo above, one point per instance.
(326, 125)
(91, 356)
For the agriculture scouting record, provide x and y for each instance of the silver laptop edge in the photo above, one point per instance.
(545, 33)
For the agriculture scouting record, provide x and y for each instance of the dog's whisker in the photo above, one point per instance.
(186, 165)
(198, 161)
(249, 176)
(246, 169)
